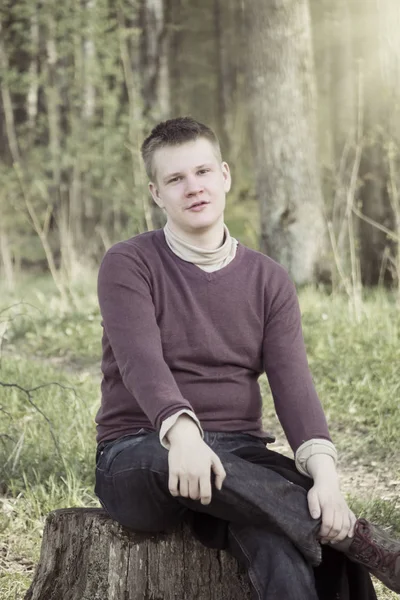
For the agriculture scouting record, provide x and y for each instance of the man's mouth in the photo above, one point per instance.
(197, 204)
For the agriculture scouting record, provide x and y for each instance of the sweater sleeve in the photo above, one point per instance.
(296, 402)
(170, 422)
(129, 320)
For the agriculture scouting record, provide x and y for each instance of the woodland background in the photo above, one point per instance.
(304, 96)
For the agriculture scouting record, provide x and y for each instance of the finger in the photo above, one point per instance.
(353, 520)
(183, 487)
(340, 527)
(173, 484)
(193, 487)
(313, 504)
(346, 525)
(219, 472)
(327, 522)
(205, 489)
(336, 524)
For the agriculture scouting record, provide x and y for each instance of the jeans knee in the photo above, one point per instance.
(139, 500)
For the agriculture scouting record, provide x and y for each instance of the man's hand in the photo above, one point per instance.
(190, 462)
(325, 500)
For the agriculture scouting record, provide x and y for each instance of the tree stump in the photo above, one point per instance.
(85, 555)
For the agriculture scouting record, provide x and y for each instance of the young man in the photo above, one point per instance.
(191, 319)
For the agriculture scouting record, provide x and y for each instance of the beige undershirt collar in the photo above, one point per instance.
(208, 260)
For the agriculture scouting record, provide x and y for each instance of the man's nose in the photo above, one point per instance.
(193, 185)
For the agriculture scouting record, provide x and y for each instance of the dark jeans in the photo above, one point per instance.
(268, 525)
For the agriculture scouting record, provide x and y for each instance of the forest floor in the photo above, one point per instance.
(47, 435)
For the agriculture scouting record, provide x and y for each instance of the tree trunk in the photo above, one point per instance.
(6, 259)
(378, 46)
(339, 125)
(82, 213)
(346, 132)
(177, 35)
(282, 102)
(32, 98)
(7, 104)
(155, 15)
(226, 36)
(53, 99)
(343, 79)
(155, 26)
(87, 556)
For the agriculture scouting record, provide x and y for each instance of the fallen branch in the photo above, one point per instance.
(28, 393)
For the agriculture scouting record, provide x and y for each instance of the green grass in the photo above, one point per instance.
(38, 322)
(13, 585)
(49, 431)
(356, 369)
(378, 511)
(47, 436)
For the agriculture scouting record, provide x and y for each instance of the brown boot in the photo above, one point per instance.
(373, 548)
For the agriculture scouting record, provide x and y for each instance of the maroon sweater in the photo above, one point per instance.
(178, 337)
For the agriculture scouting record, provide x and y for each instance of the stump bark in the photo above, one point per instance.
(85, 555)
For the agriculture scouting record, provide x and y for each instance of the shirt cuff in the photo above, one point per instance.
(310, 448)
(170, 421)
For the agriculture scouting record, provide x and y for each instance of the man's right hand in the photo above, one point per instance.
(190, 462)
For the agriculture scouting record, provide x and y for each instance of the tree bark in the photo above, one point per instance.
(7, 104)
(340, 124)
(53, 98)
(87, 556)
(177, 34)
(343, 79)
(154, 57)
(155, 38)
(32, 98)
(378, 47)
(6, 259)
(82, 213)
(282, 100)
(226, 36)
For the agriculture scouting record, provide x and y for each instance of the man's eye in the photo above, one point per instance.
(202, 171)
(177, 178)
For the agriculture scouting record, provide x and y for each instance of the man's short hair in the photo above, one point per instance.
(175, 132)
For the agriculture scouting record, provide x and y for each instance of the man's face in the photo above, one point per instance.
(186, 175)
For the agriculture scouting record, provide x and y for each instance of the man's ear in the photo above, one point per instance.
(226, 173)
(155, 194)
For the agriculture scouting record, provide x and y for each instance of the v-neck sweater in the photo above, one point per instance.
(177, 337)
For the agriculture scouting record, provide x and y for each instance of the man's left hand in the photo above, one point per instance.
(325, 500)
